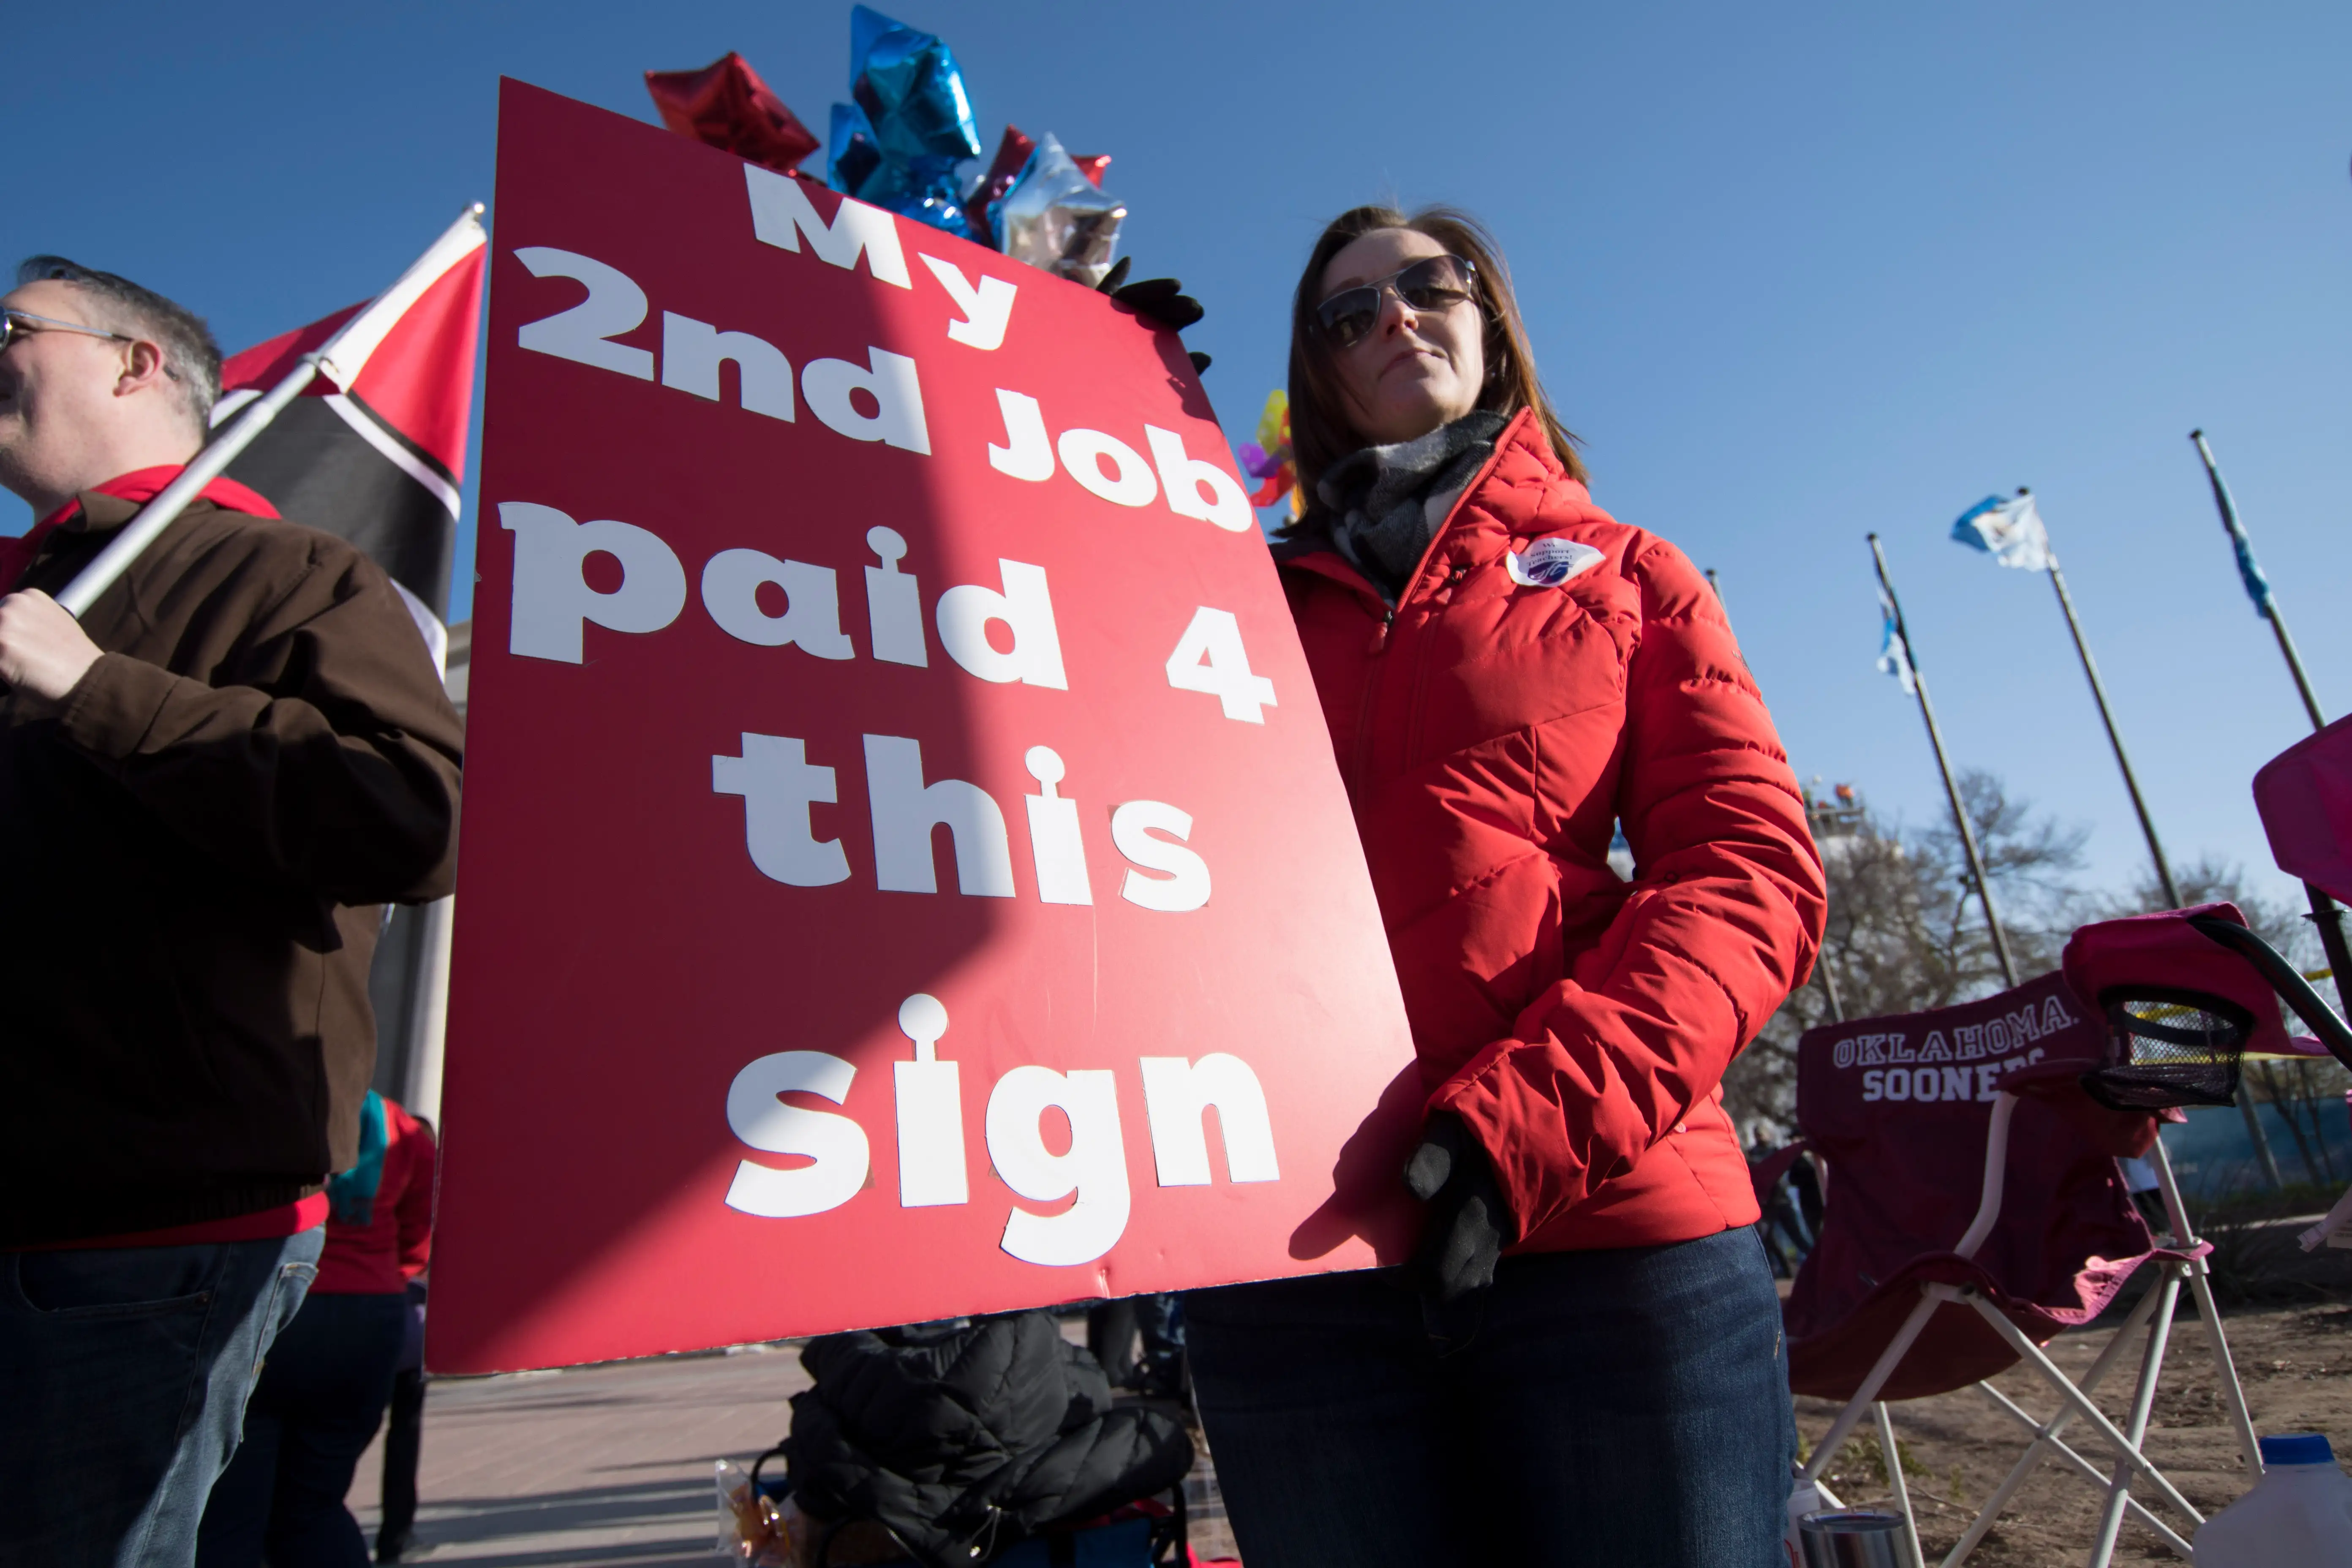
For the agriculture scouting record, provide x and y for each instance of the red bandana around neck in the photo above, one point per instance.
(141, 485)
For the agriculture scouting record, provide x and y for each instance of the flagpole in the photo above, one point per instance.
(2326, 912)
(2115, 736)
(341, 359)
(1951, 789)
(2265, 602)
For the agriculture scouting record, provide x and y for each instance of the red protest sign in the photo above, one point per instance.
(904, 872)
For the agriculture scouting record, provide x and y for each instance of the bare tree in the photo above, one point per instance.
(1906, 932)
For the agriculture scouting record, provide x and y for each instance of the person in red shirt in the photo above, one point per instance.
(323, 1390)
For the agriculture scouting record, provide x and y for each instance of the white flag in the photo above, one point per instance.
(1894, 653)
(2010, 531)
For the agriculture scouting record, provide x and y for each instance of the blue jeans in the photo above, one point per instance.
(123, 1377)
(321, 1398)
(1588, 1409)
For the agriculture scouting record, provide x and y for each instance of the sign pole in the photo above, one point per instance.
(1951, 789)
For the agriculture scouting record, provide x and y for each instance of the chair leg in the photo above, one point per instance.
(2072, 1461)
(2128, 1450)
(1863, 1397)
(2045, 1432)
(2232, 1393)
(2151, 1363)
(1894, 1456)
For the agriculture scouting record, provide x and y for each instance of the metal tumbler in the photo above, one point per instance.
(1851, 1538)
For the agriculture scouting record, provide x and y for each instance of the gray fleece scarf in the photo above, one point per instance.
(1388, 502)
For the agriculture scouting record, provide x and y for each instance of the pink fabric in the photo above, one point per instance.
(2304, 795)
(1906, 1168)
(2164, 950)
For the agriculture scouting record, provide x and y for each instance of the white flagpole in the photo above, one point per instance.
(341, 360)
(1951, 789)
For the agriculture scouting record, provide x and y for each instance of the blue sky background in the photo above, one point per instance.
(1794, 276)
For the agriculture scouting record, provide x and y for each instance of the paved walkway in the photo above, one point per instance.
(612, 1465)
(595, 1465)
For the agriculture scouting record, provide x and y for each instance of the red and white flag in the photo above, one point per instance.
(378, 463)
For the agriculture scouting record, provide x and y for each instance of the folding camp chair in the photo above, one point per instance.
(2028, 1099)
(2304, 796)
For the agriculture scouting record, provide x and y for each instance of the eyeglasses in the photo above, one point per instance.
(14, 323)
(1432, 283)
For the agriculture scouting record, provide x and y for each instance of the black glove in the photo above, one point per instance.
(1468, 1223)
(1160, 300)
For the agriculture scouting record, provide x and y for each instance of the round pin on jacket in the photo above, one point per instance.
(1548, 563)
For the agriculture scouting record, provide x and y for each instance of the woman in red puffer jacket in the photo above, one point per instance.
(1509, 674)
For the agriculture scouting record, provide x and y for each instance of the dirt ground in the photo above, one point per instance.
(2294, 1359)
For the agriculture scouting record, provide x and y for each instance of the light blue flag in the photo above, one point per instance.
(2010, 530)
(1893, 653)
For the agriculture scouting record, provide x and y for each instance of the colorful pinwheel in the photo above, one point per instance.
(1268, 458)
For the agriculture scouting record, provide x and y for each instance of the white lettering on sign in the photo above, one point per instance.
(782, 216)
(1210, 658)
(1024, 608)
(1095, 1169)
(894, 605)
(1109, 468)
(1129, 482)
(1057, 847)
(835, 1143)
(693, 351)
(1178, 1094)
(553, 601)
(778, 785)
(1186, 885)
(1184, 478)
(931, 1111)
(615, 305)
(812, 618)
(830, 385)
(928, 1105)
(987, 307)
(906, 809)
(1027, 452)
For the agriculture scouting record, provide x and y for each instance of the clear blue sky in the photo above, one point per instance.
(1792, 275)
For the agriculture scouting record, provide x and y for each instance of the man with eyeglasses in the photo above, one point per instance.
(208, 787)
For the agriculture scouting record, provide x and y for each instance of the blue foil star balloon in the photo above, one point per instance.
(902, 143)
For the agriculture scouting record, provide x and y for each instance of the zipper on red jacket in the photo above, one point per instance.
(1363, 761)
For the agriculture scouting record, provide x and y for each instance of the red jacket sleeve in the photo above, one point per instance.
(416, 1197)
(1722, 921)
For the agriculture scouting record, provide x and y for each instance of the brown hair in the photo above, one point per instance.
(1320, 431)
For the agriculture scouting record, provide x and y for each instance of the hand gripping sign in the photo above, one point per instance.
(905, 873)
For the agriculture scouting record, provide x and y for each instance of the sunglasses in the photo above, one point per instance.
(14, 324)
(1434, 283)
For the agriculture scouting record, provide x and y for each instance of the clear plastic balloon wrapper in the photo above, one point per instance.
(1055, 219)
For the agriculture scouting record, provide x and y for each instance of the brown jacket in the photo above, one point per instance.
(194, 850)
